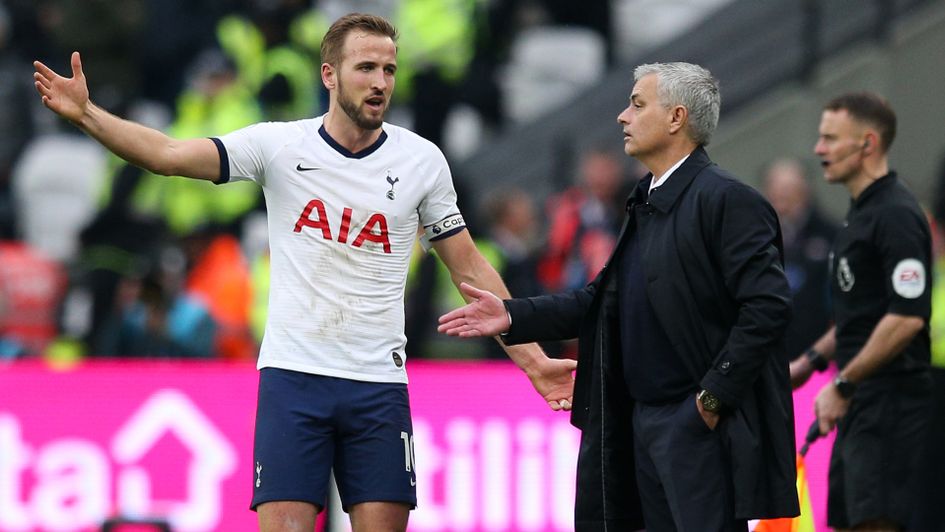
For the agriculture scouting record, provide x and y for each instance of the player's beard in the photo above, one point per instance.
(355, 113)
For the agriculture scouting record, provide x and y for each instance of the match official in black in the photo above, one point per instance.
(880, 267)
(682, 392)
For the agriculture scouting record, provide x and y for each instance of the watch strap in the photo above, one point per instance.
(817, 359)
(845, 388)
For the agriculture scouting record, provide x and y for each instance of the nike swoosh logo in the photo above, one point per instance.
(301, 168)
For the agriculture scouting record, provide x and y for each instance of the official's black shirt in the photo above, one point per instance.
(881, 263)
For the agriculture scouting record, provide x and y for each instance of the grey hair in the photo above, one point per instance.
(692, 87)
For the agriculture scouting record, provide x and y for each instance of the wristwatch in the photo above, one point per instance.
(710, 403)
(816, 359)
(844, 387)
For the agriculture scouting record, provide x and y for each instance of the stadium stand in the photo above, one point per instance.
(760, 51)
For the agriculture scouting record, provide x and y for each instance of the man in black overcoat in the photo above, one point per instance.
(682, 392)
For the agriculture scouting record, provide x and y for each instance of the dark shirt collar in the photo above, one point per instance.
(874, 188)
(347, 153)
(664, 196)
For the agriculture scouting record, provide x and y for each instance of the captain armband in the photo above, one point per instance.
(450, 225)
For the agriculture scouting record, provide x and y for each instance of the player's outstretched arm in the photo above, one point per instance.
(552, 378)
(139, 145)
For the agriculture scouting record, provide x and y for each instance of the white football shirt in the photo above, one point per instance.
(342, 226)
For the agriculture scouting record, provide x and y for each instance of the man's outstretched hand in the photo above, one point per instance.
(67, 97)
(485, 315)
(554, 380)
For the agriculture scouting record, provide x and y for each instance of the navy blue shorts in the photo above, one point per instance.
(308, 424)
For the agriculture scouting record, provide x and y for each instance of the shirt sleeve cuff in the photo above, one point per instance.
(508, 313)
(224, 162)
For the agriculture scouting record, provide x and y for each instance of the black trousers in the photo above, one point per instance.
(683, 474)
(931, 490)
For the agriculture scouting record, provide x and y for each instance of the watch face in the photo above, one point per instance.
(844, 387)
(709, 401)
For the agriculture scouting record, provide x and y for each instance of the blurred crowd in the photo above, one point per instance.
(99, 258)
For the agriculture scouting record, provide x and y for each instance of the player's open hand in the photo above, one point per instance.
(67, 97)
(554, 380)
(485, 315)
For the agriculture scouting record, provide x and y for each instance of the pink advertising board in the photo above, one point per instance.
(817, 460)
(174, 439)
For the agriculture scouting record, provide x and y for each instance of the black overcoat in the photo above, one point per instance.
(713, 265)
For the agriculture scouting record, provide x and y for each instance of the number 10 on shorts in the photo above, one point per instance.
(410, 461)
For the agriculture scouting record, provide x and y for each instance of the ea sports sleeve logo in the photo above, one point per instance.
(908, 278)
